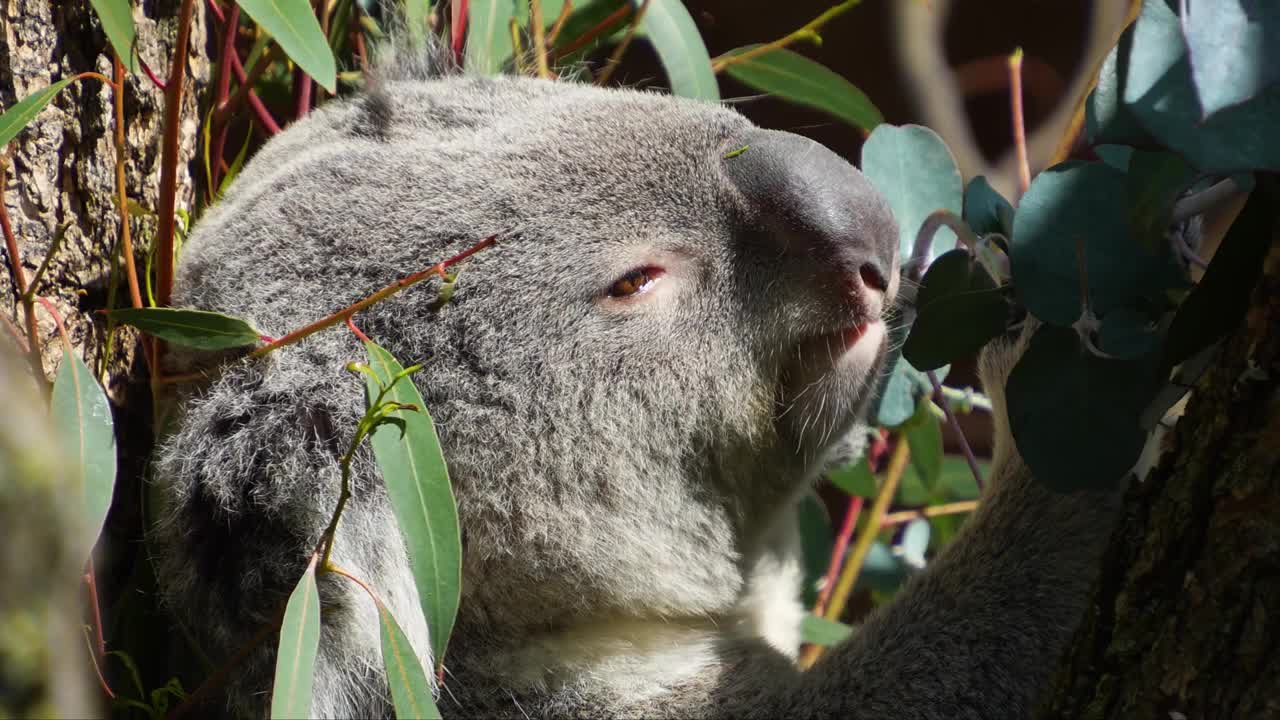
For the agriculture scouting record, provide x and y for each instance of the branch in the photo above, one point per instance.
(808, 32)
(169, 156)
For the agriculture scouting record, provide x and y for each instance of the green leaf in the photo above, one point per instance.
(416, 13)
(489, 34)
(670, 29)
(882, 570)
(296, 656)
(1076, 417)
(21, 113)
(410, 691)
(855, 478)
(821, 631)
(792, 76)
(1072, 203)
(1127, 333)
(816, 540)
(1234, 47)
(417, 480)
(1161, 95)
(117, 21)
(1153, 183)
(198, 329)
(1221, 298)
(958, 310)
(296, 30)
(901, 386)
(912, 167)
(986, 210)
(82, 419)
(585, 17)
(237, 164)
(1117, 156)
(1107, 118)
(924, 437)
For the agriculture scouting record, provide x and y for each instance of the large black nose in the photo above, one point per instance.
(818, 205)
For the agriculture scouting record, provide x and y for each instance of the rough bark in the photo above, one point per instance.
(62, 167)
(1187, 618)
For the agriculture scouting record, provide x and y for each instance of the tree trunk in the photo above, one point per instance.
(1187, 618)
(62, 167)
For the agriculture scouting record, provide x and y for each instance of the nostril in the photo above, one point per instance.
(873, 278)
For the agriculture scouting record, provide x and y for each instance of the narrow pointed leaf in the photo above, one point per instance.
(415, 17)
(417, 480)
(82, 418)
(489, 35)
(20, 114)
(410, 691)
(924, 436)
(296, 30)
(117, 22)
(821, 631)
(670, 28)
(792, 76)
(296, 655)
(198, 329)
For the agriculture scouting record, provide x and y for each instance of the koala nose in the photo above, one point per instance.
(810, 201)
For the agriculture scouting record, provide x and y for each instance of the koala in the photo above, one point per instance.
(681, 325)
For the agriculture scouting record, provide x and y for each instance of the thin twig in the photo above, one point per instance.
(20, 282)
(386, 292)
(169, 158)
(605, 25)
(955, 427)
(616, 56)
(1019, 129)
(807, 32)
(906, 516)
(1205, 200)
(221, 92)
(837, 552)
(34, 285)
(222, 114)
(539, 39)
(122, 194)
(565, 11)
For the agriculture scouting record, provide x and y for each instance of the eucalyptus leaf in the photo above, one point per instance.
(1080, 204)
(816, 541)
(912, 167)
(792, 76)
(985, 210)
(1107, 118)
(296, 655)
(198, 329)
(959, 309)
(1153, 182)
(1075, 417)
(1127, 333)
(855, 478)
(674, 36)
(489, 34)
(1234, 49)
(117, 22)
(20, 114)
(410, 691)
(914, 543)
(417, 480)
(82, 420)
(924, 438)
(1161, 94)
(882, 570)
(817, 630)
(296, 30)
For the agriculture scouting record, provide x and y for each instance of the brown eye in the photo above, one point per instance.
(635, 282)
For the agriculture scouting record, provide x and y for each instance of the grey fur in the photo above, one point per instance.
(617, 464)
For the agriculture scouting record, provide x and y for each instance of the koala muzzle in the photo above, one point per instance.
(821, 211)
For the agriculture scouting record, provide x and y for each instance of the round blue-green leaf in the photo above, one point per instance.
(792, 76)
(1069, 205)
(117, 22)
(985, 210)
(1153, 182)
(882, 570)
(912, 167)
(296, 30)
(417, 480)
(958, 310)
(82, 420)
(1075, 417)
(674, 36)
(900, 387)
(1127, 333)
(1234, 46)
(1107, 118)
(915, 541)
(1161, 94)
(296, 654)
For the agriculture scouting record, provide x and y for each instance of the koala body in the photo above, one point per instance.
(671, 338)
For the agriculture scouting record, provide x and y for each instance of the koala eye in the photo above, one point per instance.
(635, 282)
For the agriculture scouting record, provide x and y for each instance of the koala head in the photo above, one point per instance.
(680, 322)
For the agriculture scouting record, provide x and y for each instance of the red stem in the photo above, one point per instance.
(169, 158)
(20, 283)
(91, 582)
(229, 27)
(302, 84)
(614, 18)
(1019, 129)
(837, 552)
(458, 27)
